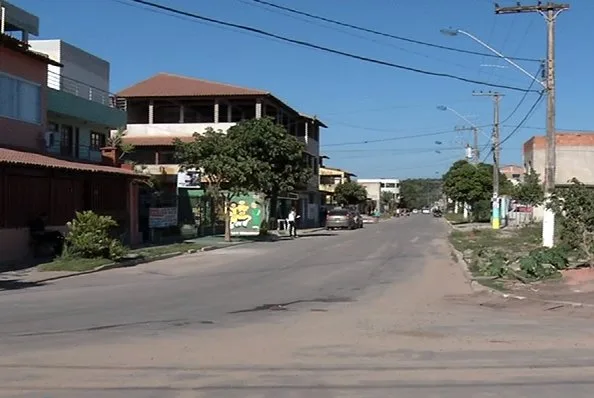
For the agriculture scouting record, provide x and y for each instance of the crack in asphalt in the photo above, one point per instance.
(283, 306)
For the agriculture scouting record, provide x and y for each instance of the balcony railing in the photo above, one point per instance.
(83, 152)
(80, 89)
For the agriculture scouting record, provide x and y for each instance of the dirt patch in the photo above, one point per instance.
(579, 276)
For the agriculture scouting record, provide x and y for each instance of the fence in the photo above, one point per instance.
(80, 89)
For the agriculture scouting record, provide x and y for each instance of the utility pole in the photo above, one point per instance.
(475, 149)
(549, 11)
(495, 214)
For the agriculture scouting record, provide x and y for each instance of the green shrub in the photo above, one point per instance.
(88, 237)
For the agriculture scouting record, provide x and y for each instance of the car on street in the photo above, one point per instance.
(426, 211)
(340, 218)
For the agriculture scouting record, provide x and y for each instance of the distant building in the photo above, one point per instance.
(514, 173)
(330, 177)
(375, 187)
(574, 157)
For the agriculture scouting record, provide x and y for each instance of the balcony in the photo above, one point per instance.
(83, 152)
(173, 129)
(69, 97)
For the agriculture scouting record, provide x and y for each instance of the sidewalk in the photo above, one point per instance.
(12, 279)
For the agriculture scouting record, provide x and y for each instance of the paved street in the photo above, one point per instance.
(376, 312)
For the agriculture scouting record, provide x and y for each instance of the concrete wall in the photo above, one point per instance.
(572, 161)
(373, 190)
(79, 65)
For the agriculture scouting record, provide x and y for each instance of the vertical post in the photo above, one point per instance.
(216, 111)
(2, 18)
(475, 144)
(151, 112)
(548, 222)
(549, 11)
(258, 109)
(495, 216)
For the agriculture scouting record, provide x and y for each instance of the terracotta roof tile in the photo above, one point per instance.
(155, 141)
(169, 85)
(35, 159)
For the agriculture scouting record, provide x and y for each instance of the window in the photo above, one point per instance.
(66, 133)
(97, 141)
(167, 157)
(390, 185)
(20, 100)
(515, 176)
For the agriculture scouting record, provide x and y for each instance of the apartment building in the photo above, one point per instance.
(167, 106)
(81, 111)
(574, 156)
(330, 177)
(32, 179)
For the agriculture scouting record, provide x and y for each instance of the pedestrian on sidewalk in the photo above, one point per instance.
(292, 220)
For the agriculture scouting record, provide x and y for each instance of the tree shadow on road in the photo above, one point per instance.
(16, 284)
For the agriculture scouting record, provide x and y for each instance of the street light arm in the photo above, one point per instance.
(509, 61)
(455, 112)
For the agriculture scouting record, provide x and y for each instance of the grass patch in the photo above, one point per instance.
(74, 264)
(455, 218)
(154, 251)
(88, 264)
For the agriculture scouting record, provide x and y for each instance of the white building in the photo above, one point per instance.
(375, 187)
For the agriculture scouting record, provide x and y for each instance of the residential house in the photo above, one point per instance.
(574, 156)
(514, 173)
(33, 180)
(376, 186)
(167, 106)
(330, 177)
(81, 111)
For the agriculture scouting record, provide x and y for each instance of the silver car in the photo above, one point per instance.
(340, 219)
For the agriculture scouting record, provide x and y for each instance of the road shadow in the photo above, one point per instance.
(16, 284)
(317, 234)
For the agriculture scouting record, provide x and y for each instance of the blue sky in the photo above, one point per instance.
(359, 101)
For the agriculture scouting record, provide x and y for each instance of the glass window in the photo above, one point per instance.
(97, 141)
(20, 100)
(390, 185)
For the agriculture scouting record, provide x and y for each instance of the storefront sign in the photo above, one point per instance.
(162, 217)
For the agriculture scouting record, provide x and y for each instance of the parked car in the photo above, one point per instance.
(426, 211)
(340, 219)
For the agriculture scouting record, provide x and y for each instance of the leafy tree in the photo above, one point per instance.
(469, 183)
(417, 193)
(227, 173)
(278, 164)
(574, 207)
(388, 200)
(530, 191)
(350, 193)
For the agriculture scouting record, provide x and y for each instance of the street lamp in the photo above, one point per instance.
(474, 128)
(456, 32)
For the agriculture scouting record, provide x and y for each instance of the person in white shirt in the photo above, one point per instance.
(292, 221)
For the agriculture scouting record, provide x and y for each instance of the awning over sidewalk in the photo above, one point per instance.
(12, 156)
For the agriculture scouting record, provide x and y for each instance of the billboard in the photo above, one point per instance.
(188, 179)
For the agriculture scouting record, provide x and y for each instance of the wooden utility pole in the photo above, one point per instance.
(549, 11)
(495, 219)
(475, 149)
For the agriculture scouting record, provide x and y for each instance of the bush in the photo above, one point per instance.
(88, 237)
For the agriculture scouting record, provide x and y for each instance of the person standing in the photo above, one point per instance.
(292, 220)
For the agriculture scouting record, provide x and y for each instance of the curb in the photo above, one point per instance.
(477, 287)
(106, 267)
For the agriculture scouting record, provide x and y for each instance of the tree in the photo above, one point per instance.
(278, 162)
(388, 200)
(417, 193)
(530, 191)
(350, 193)
(227, 174)
(574, 207)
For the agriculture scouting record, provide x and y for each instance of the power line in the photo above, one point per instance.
(383, 34)
(319, 47)
(404, 137)
(515, 130)
(540, 68)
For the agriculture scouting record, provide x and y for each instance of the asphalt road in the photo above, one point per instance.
(376, 312)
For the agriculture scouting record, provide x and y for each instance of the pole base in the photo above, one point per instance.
(548, 228)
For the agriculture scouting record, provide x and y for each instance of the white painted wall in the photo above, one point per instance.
(173, 129)
(83, 73)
